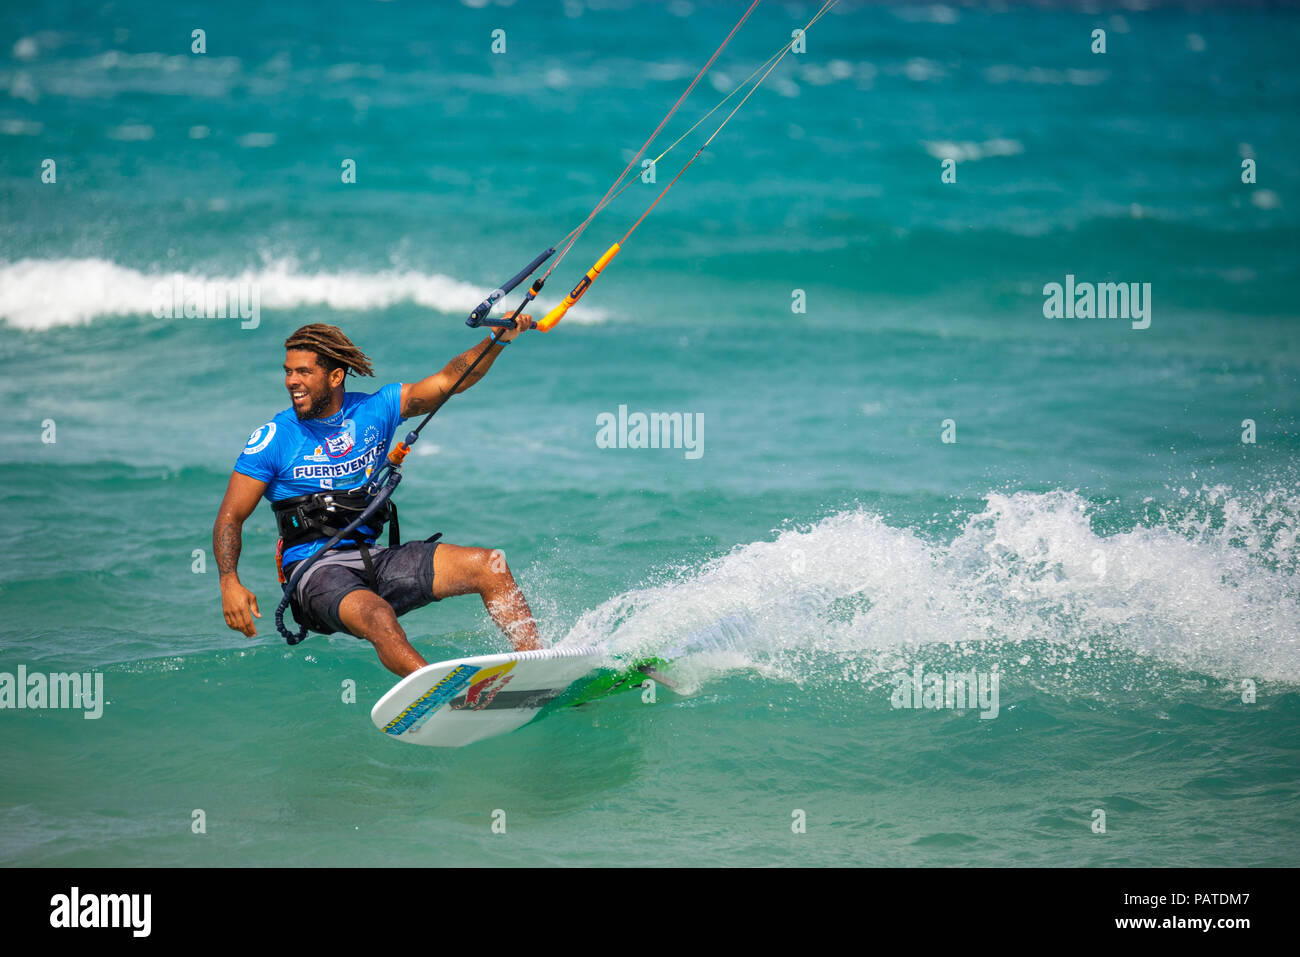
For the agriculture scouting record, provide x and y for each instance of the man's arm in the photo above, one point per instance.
(238, 604)
(420, 398)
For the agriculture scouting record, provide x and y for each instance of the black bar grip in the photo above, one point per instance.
(483, 308)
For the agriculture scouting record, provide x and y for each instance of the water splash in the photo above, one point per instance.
(1205, 589)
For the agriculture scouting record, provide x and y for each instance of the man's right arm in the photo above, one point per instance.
(238, 604)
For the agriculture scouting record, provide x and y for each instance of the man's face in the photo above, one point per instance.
(311, 388)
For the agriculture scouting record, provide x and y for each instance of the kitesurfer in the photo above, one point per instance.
(312, 462)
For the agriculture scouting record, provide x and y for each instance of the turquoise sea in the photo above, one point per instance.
(905, 464)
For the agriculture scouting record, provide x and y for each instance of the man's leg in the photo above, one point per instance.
(460, 570)
(366, 615)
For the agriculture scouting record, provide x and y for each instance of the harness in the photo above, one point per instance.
(303, 518)
(307, 518)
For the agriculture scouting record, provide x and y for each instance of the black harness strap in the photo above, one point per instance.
(370, 567)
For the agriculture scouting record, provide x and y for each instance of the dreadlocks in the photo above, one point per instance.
(333, 349)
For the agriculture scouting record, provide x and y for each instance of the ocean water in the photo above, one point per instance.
(1099, 536)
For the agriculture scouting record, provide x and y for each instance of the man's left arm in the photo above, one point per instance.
(420, 398)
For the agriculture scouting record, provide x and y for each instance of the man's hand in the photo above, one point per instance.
(521, 325)
(239, 605)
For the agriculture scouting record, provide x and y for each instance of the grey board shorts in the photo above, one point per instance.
(404, 573)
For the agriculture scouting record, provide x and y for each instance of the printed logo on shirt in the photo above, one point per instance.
(260, 439)
(342, 470)
(341, 443)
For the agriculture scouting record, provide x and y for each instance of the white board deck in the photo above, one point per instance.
(454, 703)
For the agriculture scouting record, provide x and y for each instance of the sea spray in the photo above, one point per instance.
(1028, 579)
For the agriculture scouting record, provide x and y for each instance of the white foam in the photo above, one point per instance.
(1011, 73)
(45, 293)
(1213, 591)
(968, 152)
(921, 13)
(21, 128)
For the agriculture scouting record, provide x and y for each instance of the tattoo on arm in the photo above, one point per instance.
(449, 375)
(227, 539)
(468, 357)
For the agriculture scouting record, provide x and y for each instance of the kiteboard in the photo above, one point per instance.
(454, 703)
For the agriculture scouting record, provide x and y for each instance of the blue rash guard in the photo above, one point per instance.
(298, 457)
